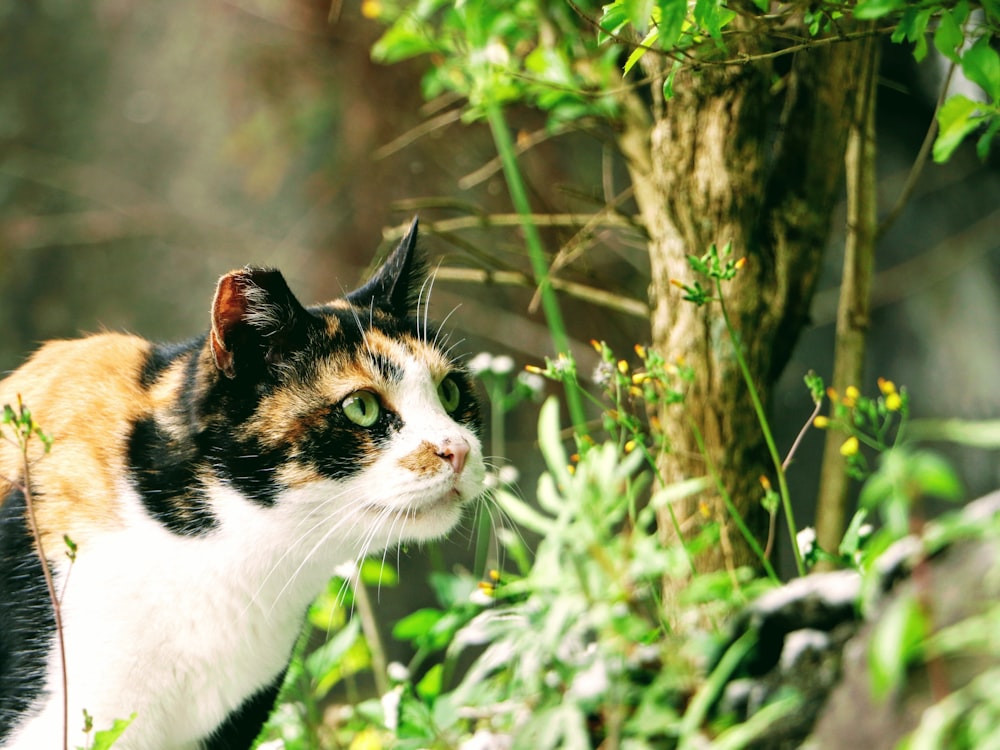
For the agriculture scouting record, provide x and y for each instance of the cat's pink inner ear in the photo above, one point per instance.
(228, 309)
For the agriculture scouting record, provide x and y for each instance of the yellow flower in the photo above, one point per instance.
(630, 446)
(765, 482)
(622, 366)
(893, 401)
(640, 350)
(597, 346)
(886, 386)
(677, 283)
(821, 422)
(535, 369)
(850, 447)
(851, 395)
(366, 739)
(371, 8)
(740, 263)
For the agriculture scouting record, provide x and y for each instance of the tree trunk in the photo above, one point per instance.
(719, 166)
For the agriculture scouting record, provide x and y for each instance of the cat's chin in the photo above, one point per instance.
(417, 521)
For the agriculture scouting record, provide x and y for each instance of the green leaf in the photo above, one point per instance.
(896, 639)
(956, 119)
(326, 659)
(615, 18)
(378, 572)
(948, 36)
(638, 52)
(851, 542)
(521, 513)
(912, 27)
(672, 15)
(868, 10)
(986, 139)
(550, 440)
(981, 65)
(408, 38)
(935, 477)
(416, 624)
(430, 684)
(105, 738)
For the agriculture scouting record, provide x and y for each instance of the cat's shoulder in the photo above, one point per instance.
(67, 374)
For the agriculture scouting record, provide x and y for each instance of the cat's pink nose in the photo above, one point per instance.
(454, 452)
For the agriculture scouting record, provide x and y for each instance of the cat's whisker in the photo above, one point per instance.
(438, 341)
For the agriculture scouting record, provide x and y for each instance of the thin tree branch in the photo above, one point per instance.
(853, 313)
(592, 295)
(921, 161)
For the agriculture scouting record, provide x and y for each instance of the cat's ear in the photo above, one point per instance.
(394, 287)
(254, 318)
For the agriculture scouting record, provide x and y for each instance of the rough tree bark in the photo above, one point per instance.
(720, 166)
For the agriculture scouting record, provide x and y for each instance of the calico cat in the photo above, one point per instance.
(211, 488)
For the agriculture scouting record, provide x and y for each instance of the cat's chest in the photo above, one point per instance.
(154, 619)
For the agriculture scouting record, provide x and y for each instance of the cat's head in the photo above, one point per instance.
(353, 410)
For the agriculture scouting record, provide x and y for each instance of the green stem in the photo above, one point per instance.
(765, 427)
(730, 505)
(536, 253)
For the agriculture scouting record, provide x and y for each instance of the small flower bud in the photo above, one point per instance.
(850, 447)
(821, 422)
(893, 401)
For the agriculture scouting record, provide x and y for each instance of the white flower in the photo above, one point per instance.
(508, 474)
(390, 708)
(532, 381)
(348, 570)
(591, 682)
(502, 364)
(484, 739)
(480, 598)
(603, 374)
(397, 672)
(480, 363)
(806, 539)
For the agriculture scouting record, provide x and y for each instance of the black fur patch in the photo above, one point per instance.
(160, 357)
(241, 727)
(339, 448)
(166, 477)
(27, 629)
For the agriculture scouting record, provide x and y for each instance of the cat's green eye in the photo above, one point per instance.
(449, 394)
(362, 408)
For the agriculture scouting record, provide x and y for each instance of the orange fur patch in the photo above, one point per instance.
(424, 460)
(86, 394)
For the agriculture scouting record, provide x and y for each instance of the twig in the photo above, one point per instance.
(920, 162)
(25, 488)
(610, 300)
(370, 627)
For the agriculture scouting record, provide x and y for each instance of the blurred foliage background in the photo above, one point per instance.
(147, 148)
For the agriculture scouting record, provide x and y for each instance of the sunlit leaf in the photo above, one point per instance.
(868, 10)
(956, 119)
(104, 739)
(981, 65)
